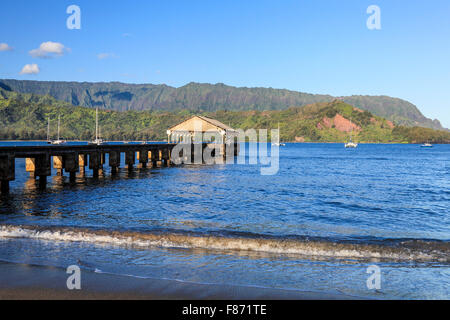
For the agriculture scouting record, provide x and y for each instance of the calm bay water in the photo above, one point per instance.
(315, 226)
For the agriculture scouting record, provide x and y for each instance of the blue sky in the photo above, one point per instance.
(310, 46)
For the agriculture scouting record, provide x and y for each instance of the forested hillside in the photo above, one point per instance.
(24, 116)
(199, 97)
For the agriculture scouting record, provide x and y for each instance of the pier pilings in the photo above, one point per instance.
(114, 161)
(142, 156)
(75, 158)
(130, 158)
(71, 165)
(82, 162)
(95, 163)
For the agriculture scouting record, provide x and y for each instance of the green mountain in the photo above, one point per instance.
(24, 116)
(396, 110)
(207, 97)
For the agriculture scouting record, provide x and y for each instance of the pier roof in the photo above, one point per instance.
(202, 124)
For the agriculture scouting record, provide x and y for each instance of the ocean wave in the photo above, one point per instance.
(393, 249)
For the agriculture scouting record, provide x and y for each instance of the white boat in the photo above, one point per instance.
(427, 145)
(58, 141)
(278, 144)
(98, 141)
(351, 144)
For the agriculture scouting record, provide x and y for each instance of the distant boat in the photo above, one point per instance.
(350, 143)
(58, 141)
(278, 144)
(427, 145)
(145, 141)
(98, 141)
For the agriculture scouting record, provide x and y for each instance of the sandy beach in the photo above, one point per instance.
(30, 282)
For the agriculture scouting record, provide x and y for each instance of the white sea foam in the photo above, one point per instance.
(425, 251)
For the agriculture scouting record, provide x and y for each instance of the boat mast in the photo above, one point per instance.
(59, 120)
(96, 124)
(48, 129)
(351, 129)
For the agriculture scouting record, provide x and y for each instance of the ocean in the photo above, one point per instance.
(317, 225)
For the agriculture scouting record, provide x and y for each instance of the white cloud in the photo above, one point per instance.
(30, 69)
(5, 47)
(102, 56)
(49, 49)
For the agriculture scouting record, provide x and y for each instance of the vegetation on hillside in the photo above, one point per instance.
(198, 97)
(24, 117)
(396, 110)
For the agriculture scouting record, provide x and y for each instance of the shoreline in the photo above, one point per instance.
(33, 282)
(293, 142)
(85, 141)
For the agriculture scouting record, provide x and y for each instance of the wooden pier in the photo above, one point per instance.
(75, 158)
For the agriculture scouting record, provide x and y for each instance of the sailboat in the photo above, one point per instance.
(145, 141)
(278, 144)
(350, 143)
(98, 141)
(58, 141)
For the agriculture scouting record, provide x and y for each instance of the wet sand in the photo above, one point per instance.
(20, 281)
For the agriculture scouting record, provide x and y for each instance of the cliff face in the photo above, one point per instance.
(339, 123)
(208, 98)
